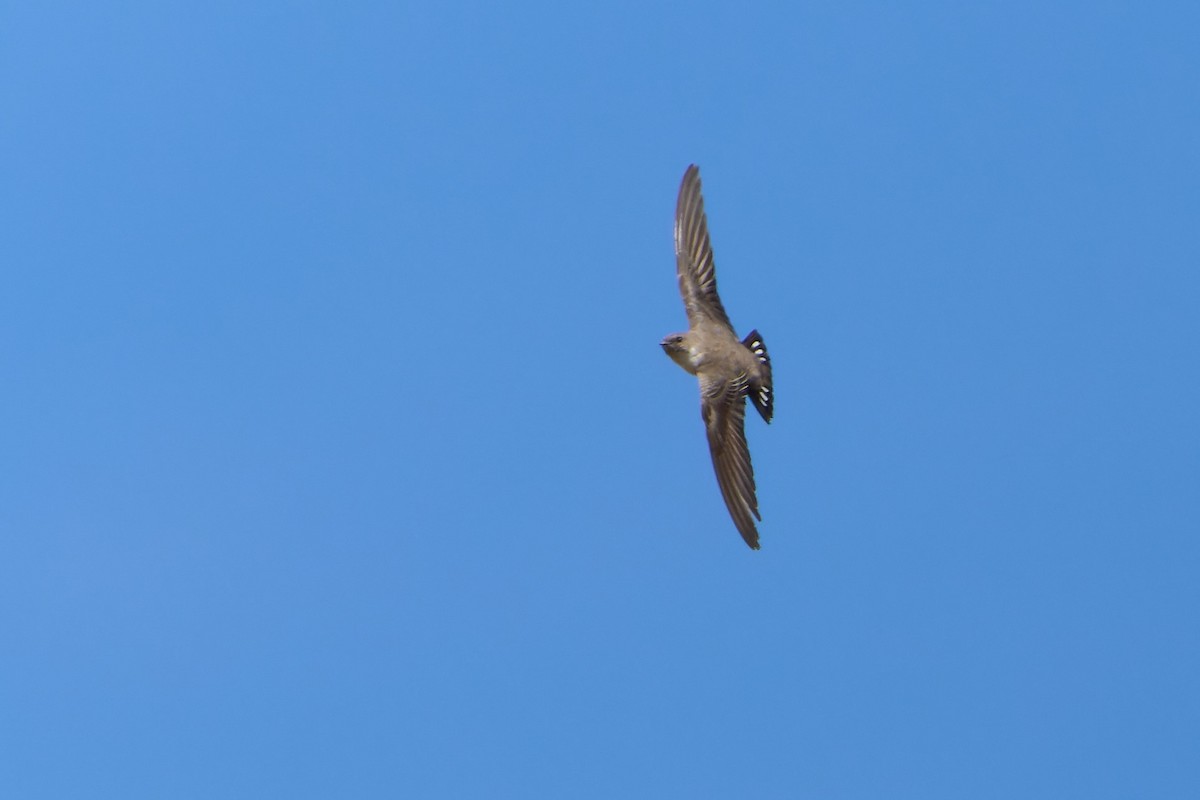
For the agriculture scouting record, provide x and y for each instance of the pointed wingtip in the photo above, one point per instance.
(748, 529)
(751, 535)
(690, 175)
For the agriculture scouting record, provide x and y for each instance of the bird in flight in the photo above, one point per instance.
(729, 369)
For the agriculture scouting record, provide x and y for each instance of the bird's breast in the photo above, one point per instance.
(685, 358)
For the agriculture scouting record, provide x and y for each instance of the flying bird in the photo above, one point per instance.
(729, 369)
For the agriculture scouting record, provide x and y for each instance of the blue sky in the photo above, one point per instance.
(340, 458)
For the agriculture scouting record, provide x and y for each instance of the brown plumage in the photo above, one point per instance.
(729, 369)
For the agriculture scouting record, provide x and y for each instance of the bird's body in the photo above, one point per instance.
(703, 349)
(729, 369)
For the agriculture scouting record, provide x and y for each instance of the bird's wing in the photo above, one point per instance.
(694, 256)
(723, 406)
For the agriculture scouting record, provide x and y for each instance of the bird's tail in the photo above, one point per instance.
(761, 391)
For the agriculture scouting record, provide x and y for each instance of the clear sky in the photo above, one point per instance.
(339, 457)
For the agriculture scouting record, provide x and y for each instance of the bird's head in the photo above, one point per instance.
(677, 347)
(672, 343)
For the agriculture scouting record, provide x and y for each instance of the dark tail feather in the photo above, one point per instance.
(761, 391)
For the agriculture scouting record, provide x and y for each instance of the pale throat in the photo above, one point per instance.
(688, 357)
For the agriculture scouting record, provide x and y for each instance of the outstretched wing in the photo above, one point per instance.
(723, 406)
(694, 256)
